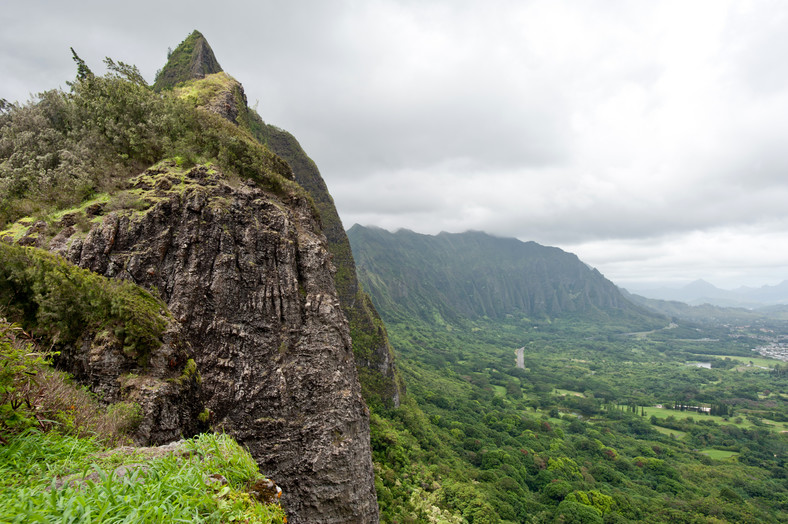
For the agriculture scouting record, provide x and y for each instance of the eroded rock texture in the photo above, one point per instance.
(249, 277)
(166, 386)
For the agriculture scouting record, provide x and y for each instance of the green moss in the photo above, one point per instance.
(204, 416)
(100, 199)
(200, 92)
(61, 301)
(189, 373)
(15, 231)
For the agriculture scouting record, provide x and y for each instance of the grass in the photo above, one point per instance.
(59, 461)
(670, 432)
(719, 454)
(500, 391)
(681, 415)
(663, 413)
(756, 361)
(568, 392)
(47, 477)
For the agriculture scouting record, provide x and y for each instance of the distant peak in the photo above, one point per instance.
(193, 58)
(700, 284)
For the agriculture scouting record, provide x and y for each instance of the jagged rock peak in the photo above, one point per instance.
(193, 58)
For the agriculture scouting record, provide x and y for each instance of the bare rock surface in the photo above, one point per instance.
(248, 276)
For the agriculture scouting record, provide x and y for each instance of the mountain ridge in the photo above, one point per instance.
(475, 275)
(699, 292)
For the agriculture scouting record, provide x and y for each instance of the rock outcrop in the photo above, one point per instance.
(193, 58)
(219, 228)
(221, 94)
(113, 336)
(249, 276)
(166, 386)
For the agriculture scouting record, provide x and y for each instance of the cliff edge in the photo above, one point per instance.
(218, 228)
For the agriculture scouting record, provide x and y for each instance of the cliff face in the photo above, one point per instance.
(194, 73)
(249, 277)
(221, 94)
(380, 379)
(235, 248)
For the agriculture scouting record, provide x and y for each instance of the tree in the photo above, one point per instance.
(570, 512)
(83, 71)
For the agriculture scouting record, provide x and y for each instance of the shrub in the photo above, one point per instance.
(63, 148)
(61, 301)
(34, 395)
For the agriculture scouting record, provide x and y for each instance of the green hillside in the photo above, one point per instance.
(474, 275)
(554, 417)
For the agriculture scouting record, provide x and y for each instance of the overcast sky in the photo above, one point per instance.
(648, 137)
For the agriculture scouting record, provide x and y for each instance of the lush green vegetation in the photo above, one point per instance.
(193, 57)
(50, 477)
(61, 301)
(59, 461)
(537, 396)
(67, 147)
(576, 436)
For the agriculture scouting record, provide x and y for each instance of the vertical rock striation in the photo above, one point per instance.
(374, 355)
(192, 61)
(249, 276)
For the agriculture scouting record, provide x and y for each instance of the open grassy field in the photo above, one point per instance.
(719, 454)
(662, 413)
(667, 431)
(500, 391)
(755, 359)
(568, 392)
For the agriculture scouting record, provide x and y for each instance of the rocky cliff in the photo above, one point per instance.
(194, 74)
(249, 277)
(380, 379)
(221, 231)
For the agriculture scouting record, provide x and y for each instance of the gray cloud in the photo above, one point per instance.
(645, 137)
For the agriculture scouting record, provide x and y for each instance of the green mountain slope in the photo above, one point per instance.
(537, 393)
(475, 275)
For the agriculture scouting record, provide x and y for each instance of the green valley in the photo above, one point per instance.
(574, 434)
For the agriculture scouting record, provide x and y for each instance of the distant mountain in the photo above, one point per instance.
(700, 292)
(707, 313)
(473, 275)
